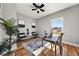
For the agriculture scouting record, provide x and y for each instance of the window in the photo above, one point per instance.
(57, 25)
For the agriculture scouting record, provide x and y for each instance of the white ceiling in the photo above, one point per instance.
(26, 9)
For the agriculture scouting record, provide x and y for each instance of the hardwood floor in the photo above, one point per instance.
(68, 50)
(21, 51)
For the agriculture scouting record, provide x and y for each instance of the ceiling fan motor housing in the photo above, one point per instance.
(38, 7)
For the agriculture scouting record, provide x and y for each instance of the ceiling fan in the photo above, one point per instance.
(38, 7)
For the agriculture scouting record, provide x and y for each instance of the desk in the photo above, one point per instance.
(51, 40)
(54, 40)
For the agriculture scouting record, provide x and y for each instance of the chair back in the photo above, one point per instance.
(59, 40)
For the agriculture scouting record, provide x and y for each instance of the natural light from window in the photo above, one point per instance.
(57, 25)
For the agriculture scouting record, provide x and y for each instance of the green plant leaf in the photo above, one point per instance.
(9, 26)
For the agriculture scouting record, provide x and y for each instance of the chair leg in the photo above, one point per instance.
(52, 46)
(61, 49)
(55, 49)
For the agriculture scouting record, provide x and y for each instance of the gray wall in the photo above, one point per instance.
(71, 24)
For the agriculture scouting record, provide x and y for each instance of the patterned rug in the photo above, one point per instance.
(33, 45)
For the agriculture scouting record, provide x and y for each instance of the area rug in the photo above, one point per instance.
(33, 45)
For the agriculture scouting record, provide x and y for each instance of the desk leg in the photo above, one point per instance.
(55, 49)
(51, 46)
(42, 46)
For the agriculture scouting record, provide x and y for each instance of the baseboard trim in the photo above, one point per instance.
(72, 44)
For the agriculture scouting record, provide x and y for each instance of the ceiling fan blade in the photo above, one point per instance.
(34, 9)
(42, 10)
(35, 5)
(37, 11)
(41, 6)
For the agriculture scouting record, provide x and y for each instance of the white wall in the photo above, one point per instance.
(71, 24)
(0, 10)
(0, 27)
(28, 22)
(8, 11)
(0, 13)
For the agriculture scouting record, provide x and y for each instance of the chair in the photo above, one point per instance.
(59, 42)
(21, 36)
(56, 41)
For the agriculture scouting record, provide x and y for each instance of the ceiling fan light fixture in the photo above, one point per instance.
(38, 9)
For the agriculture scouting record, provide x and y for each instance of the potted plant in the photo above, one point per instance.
(10, 29)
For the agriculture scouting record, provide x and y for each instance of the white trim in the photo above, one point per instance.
(76, 45)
